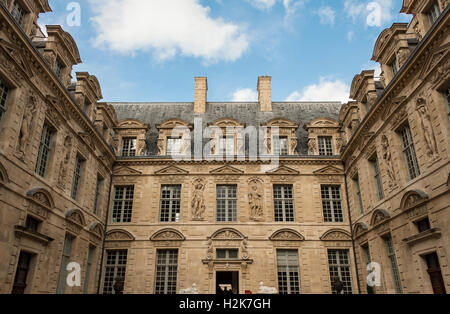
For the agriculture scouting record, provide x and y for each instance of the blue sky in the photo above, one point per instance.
(150, 50)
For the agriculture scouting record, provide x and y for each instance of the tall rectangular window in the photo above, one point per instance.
(339, 263)
(358, 194)
(446, 95)
(367, 259)
(226, 203)
(393, 263)
(18, 13)
(226, 146)
(90, 259)
(166, 271)
(173, 146)
(59, 67)
(433, 12)
(394, 66)
(116, 266)
(23, 268)
(377, 177)
(4, 90)
(170, 203)
(288, 272)
(129, 147)
(283, 198)
(98, 190)
(122, 204)
(76, 181)
(44, 150)
(409, 152)
(67, 250)
(325, 146)
(281, 146)
(332, 203)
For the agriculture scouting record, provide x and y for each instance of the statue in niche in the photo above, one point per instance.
(427, 128)
(383, 79)
(198, 202)
(255, 200)
(402, 56)
(210, 251)
(244, 249)
(25, 129)
(339, 144)
(160, 147)
(312, 145)
(294, 144)
(141, 147)
(63, 167)
(187, 146)
(388, 159)
(268, 144)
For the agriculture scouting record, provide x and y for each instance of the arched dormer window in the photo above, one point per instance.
(227, 137)
(324, 137)
(174, 137)
(130, 138)
(286, 142)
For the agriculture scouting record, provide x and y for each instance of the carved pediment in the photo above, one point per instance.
(97, 229)
(286, 235)
(283, 170)
(171, 170)
(119, 235)
(359, 228)
(88, 140)
(167, 235)
(322, 123)
(173, 123)
(280, 122)
(378, 216)
(336, 235)
(124, 170)
(227, 170)
(76, 216)
(434, 57)
(131, 124)
(226, 122)
(329, 170)
(17, 54)
(42, 197)
(412, 199)
(227, 234)
(365, 138)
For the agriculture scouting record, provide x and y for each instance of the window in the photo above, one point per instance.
(32, 224)
(79, 163)
(123, 204)
(446, 95)
(227, 253)
(325, 146)
(283, 198)
(394, 66)
(281, 146)
(393, 263)
(358, 194)
(170, 203)
(88, 268)
(18, 13)
(339, 264)
(23, 268)
(59, 67)
(288, 272)
(173, 146)
(377, 177)
(226, 202)
(67, 250)
(423, 225)
(98, 188)
(226, 146)
(332, 203)
(87, 105)
(409, 152)
(4, 90)
(433, 13)
(166, 272)
(44, 150)
(116, 266)
(366, 255)
(129, 147)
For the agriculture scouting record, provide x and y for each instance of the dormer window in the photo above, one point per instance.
(325, 146)
(281, 147)
(129, 147)
(394, 66)
(58, 68)
(433, 12)
(3, 97)
(226, 146)
(173, 146)
(18, 13)
(423, 225)
(86, 107)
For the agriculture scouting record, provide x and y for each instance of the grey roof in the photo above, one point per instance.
(246, 113)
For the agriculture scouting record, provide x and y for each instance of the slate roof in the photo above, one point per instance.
(246, 113)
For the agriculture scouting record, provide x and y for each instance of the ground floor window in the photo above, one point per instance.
(166, 272)
(288, 272)
(339, 263)
(116, 264)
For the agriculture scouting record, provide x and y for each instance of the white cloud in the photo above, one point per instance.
(166, 28)
(327, 15)
(245, 94)
(375, 12)
(325, 90)
(350, 36)
(371, 65)
(263, 4)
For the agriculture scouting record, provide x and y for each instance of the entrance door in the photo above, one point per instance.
(227, 282)
(434, 270)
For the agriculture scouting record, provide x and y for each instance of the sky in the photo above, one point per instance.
(151, 50)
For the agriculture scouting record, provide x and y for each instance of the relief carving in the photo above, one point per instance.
(198, 201)
(427, 128)
(392, 181)
(25, 129)
(312, 145)
(64, 163)
(255, 199)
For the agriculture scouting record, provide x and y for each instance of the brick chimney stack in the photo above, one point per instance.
(201, 92)
(265, 93)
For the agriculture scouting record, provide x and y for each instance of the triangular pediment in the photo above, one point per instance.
(171, 170)
(283, 170)
(434, 58)
(329, 170)
(124, 170)
(16, 53)
(227, 170)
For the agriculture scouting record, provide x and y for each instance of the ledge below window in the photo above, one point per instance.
(426, 235)
(21, 231)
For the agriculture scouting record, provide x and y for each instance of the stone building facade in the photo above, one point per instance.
(137, 194)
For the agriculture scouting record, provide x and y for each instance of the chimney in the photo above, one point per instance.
(201, 91)
(265, 93)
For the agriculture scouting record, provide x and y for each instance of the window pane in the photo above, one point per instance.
(332, 203)
(170, 203)
(173, 146)
(166, 272)
(226, 203)
(393, 263)
(67, 250)
(288, 272)
(339, 264)
(129, 147)
(122, 204)
(377, 178)
(409, 152)
(3, 97)
(44, 151)
(18, 13)
(116, 263)
(325, 146)
(79, 162)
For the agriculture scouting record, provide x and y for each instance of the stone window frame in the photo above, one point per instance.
(230, 204)
(288, 271)
(128, 189)
(78, 174)
(414, 172)
(99, 185)
(65, 260)
(391, 257)
(374, 162)
(117, 268)
(340, 265)
(169, 286)
(286, 216)
(53, 136)
(324, 127)
(4, 95)
(166, 130)
(287, 128)
(236, 134)
(358, 194)
(330, 201)
(173, 211)
(131, 128)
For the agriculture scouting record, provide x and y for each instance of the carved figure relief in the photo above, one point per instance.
(427, 128)
(161, 150)
(198, 201)
(312, 145)
(402, 56)
(244, 249)
(141, 147)
(64, 163)
(388, 159)
(25, 129)
(210, 251)
(339, 144)
(255, 199)
(294, 144)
